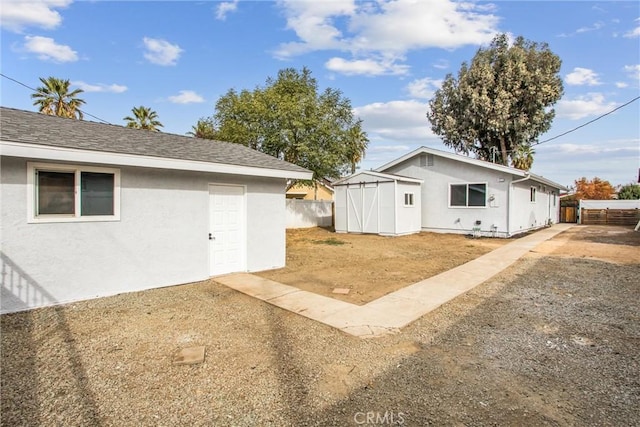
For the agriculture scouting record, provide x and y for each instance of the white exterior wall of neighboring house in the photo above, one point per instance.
(160, 239)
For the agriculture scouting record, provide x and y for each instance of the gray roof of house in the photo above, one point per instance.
(41, 129)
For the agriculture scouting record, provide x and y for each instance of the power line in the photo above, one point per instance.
(589, 122)
(36, 90)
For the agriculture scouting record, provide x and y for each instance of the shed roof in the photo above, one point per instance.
(469, 160)
(378, 176)
(21, 128)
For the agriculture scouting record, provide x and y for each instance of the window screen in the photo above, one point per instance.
(468, 195)
(55, 193)
(96, 196)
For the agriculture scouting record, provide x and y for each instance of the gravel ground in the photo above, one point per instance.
(553, 340)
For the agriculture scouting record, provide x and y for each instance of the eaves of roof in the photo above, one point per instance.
(26, 133)
(469, 160)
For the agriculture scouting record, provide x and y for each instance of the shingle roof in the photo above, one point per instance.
(469, 160)
(41, 129)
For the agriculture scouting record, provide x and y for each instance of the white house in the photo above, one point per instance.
(460, 194)
(374, 202)
(91, 209)
(453, 194)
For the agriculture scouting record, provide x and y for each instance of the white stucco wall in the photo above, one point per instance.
(527, 215)
(161, 238)
(438, 216)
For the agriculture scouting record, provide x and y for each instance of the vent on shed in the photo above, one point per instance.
(426, 160)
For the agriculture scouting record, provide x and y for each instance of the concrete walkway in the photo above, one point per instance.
(388, 314)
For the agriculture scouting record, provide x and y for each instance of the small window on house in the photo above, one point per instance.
(468, 195)
(408, 199)
(426, 160)
(67, 193)
(532, 195)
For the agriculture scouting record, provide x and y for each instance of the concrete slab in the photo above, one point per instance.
(390, 313)
(308, 304)
(256, 286)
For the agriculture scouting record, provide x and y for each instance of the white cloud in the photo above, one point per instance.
(368, 67)
(186, 97)
(633, 71)
(582, 76)
(396, 120)
(100, 87)
(161, 52)
(635, 32)
(424, 88)
(383, 30)
(621, 85)
(594, 27)
(441, 64)
(15, 15)
(48, 50)
(389, 149)
(592, 104)
(225, 8)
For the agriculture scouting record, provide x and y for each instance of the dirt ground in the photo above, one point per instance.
(370, 266)
(553, 340)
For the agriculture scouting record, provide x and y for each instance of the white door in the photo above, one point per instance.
(227, 242)
(362, 208)
(354, 209)
(370, 205)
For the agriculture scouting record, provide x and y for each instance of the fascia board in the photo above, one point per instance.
(34, 151)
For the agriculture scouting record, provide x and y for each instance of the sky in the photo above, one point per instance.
(387, 57)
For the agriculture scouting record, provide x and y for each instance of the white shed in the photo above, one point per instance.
(378, 203)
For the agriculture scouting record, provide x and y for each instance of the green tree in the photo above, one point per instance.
(54, 98)
(629, 192)
(203, 129)
(357, 145)
(502, 99)
(290, 119)
(522, 157)
(143, 118)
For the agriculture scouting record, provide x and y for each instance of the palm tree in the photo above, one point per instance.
(203, 129)
(522, 157)
(143, 118)
(54, 98)
(357, 144)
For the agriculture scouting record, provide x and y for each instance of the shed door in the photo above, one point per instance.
(363, 208)
(227, 248)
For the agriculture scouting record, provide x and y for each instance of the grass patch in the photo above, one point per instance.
(330, 241)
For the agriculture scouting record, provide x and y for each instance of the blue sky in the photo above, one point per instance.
(387, 57)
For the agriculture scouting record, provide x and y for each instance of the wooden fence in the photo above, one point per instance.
(609, 216)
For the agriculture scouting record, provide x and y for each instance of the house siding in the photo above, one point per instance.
(437, 216)
(508, 209)
(160, 240)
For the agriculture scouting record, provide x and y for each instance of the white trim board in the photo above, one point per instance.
(34, 151)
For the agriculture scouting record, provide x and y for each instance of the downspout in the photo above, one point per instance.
(509, 203)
